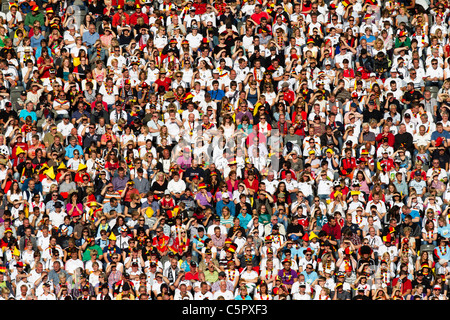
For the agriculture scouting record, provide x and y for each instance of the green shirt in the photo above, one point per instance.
(30, 18)
(211, 277)
(406, 43)
(264, 218)
(87, 253)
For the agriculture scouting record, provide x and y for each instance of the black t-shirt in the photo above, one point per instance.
(412, 95)
(239, 207)
(424, 282)
(406, 139)
(5, 115)
(157, 187)
(443, 158)
(191, 172)
(88, 139)
(374, 114)
(344, 295)
(291, 228)
(125, 40)
(361, 297)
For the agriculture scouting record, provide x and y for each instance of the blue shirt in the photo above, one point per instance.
(321, 221)
(89, 38)
(39, 52)
(70, 150)
(220, 205)
(309, 278)
(443, 252)
(185, 265)
(243, 221)
(239, 297)
(368, 38)
(36, 42)
(296, 252)
(414, 214)
(108, 207)
(199, 242)
(444, 134)
(216, 94)
(24, 113)
(444, 232)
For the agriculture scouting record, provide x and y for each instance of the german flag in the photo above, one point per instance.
(173, 249)
(372, 2)
(346, 3)
(232, 248)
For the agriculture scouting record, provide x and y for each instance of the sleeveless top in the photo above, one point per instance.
(253, 98)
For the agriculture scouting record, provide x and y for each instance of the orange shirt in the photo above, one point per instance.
(32, 150)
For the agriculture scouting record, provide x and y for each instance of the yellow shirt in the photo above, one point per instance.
(119, 296)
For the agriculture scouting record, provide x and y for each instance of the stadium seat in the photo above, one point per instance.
(15, 94)
(434, 91)
(427, 247)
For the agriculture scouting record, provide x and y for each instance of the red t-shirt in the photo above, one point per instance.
(349, 73)
(161, 243)
(254, 185)
(22, 145)
(289, 96)
(191, 276)
(79, 177)
(257, 16)
(404, 286)
(200, 8)
(135, 16)
(165, 83)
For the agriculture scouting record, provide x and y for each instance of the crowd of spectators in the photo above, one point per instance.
(224, 150)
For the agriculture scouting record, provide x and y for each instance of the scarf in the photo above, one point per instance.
(347, 265)
(384, 278)
(256, 74)
(231, 274)
(283, 129)
(442, 251)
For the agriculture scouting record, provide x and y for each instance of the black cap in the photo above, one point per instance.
(126, 286)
